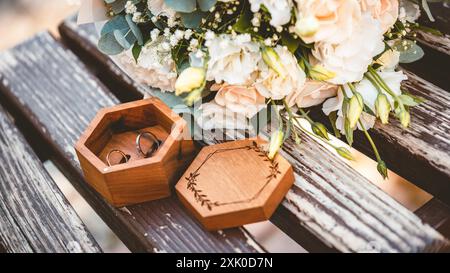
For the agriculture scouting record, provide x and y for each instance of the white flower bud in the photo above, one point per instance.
(307, 26)
(275, 143)
(271, 58)
(355, 109)
(190, 79)
(382, 107)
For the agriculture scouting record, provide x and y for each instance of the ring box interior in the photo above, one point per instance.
(234, 184)
(140, 179)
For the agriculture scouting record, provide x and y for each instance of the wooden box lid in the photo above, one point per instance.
(234, 183)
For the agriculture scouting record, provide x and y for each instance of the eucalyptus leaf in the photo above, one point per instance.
(116, 23)
(109, 45)
(126, 40)
(206, 5)
(135, 29)
(193, 19)
(412, 54)
(186, 6)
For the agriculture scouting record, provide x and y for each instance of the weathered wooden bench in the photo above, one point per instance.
(34, 215)
(54, 89)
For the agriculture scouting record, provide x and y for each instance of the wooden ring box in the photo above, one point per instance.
(140, 179)
(234, 183)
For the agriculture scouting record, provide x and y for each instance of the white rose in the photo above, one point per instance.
(214, 116)
(271, 84)
(280, 10)
(350, 58)
(232, 59)
(386, 11)
(155, 66)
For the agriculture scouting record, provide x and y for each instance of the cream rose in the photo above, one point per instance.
(215, 116)
(239, 99)
(386, 11)
(232, 59)
(313, 93)
(350, 58)
(333, 20)
(271, 84)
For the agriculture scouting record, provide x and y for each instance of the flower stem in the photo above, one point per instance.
(305, 115)
(369, 138)
(382, 83)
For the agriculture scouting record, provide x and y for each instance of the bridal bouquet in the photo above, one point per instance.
(236, 58)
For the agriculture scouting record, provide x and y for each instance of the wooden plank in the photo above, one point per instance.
(437, 214)
(330, 208)
(53, 92)
(34, 214)
(437, 48)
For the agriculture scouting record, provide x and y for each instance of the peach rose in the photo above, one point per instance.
(239, 99)
(330, 21)
(313, 93)
(386, 11)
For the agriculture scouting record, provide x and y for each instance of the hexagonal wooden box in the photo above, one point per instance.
(234, 183)
(140, 179)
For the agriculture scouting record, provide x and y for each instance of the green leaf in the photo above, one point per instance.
(408, 100)
(116, 23)
(244, 21)
(206, 5)
(109, 45)
(289, 41)
(412, 53)
(185, 6)
(136, 51)
(193, 19)
(126, 40)
(135, 29)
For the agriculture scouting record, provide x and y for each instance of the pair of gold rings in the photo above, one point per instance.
(156, 143)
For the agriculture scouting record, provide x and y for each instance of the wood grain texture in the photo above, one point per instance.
(34, 214)
(420, 153)
(234, 183)
(330, 207)
(53, 92)
(436, 47)
(437, 214)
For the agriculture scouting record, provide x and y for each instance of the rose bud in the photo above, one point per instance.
(405, 118)
(190, 79)
(355, 108)
(306, 26)
(383, 108)
(275, 143)
(272, 59)
(319, 73)
(320, 130)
